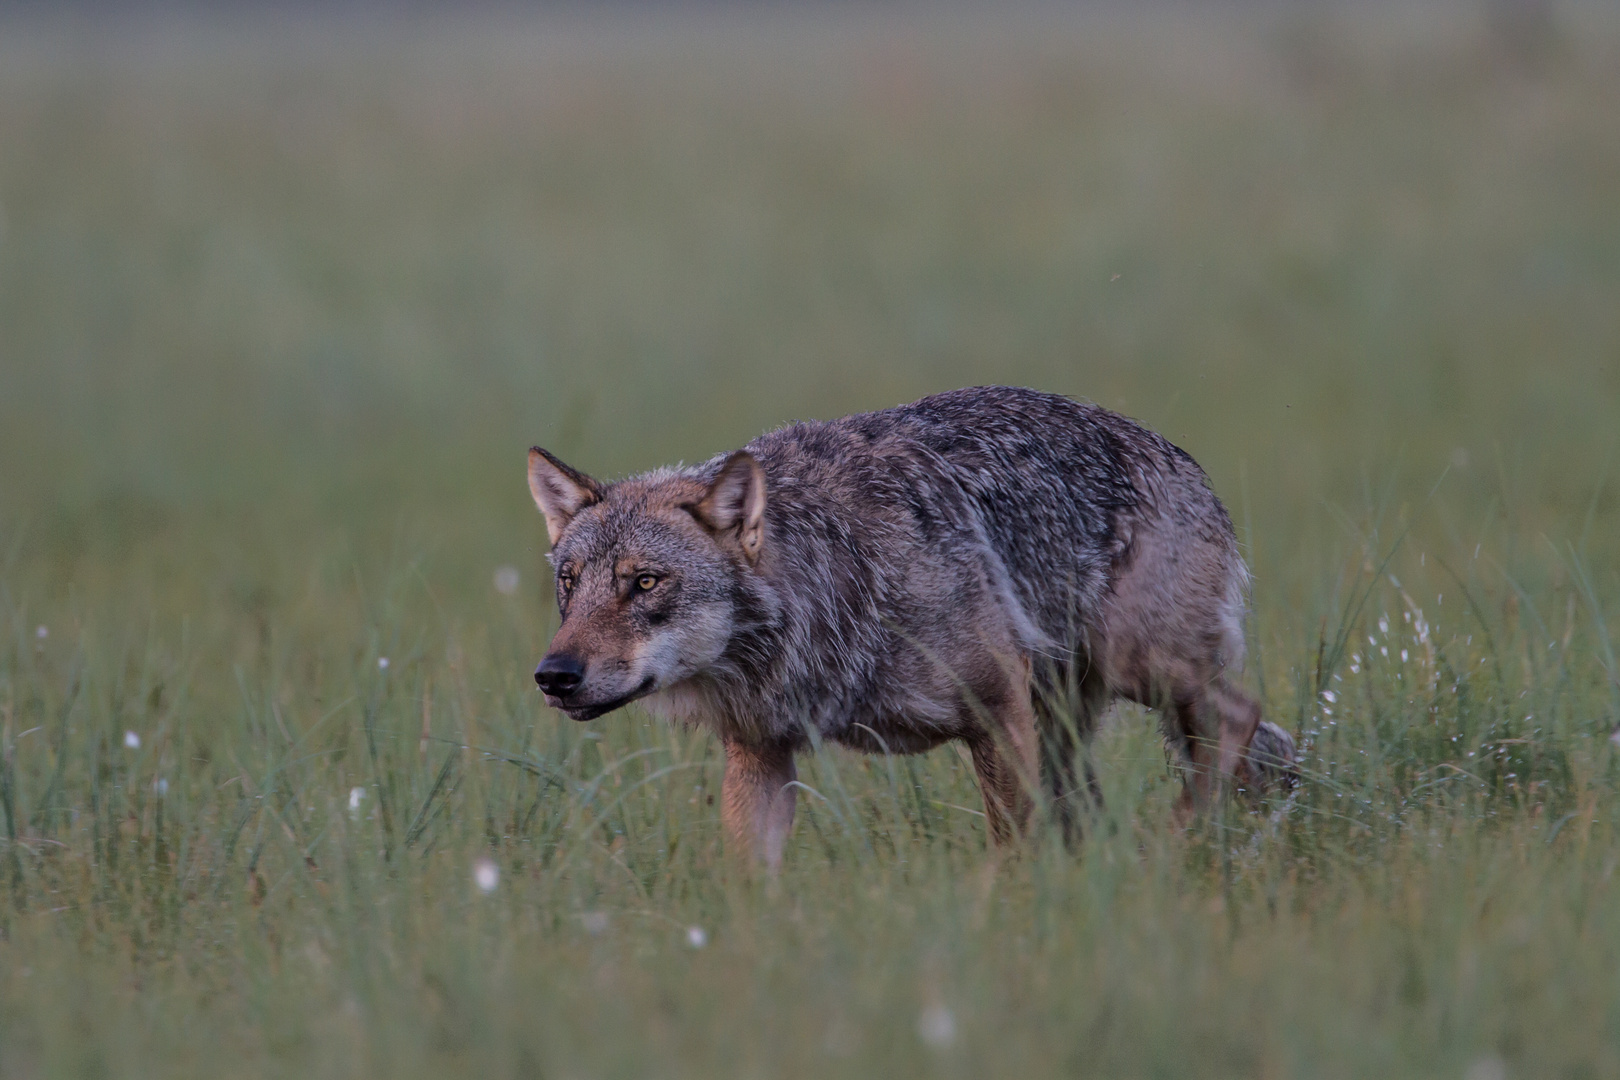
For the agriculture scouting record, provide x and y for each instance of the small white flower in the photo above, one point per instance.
(1488, 1067)
(507, 580)
(696, 937)
(132, 740)
(486, 875)
(936, 1026)
(382, 663)
(595, 922)
(42, 631)
(357, 795)
(160, 786)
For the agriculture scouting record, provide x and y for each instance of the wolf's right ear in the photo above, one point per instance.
(559, 491)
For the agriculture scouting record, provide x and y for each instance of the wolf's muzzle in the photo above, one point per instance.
(559, 674)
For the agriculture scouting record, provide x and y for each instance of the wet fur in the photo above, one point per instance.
(991, 565)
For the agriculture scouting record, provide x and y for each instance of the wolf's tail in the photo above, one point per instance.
(1234, 607)
(1272, 758)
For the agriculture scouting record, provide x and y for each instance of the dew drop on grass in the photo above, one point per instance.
(486, 875)
(507, 580)
(382, 663)
(132, 740)
(696, 937)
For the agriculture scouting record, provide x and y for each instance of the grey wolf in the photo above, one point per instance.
(991, 565)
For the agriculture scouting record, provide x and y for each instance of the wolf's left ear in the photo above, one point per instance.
(734, 506)
(559, 491)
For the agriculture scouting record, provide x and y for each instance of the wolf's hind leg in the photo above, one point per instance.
(757, 800)
(1067, 774)
(1063, 763)
(1211, 725)
(1239, 716)
(1184, 737)
(1006, 757)
(1007, 804)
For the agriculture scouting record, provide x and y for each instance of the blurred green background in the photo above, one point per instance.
(320, 276)
(284, 300)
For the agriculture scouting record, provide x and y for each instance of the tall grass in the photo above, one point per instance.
(281, 312)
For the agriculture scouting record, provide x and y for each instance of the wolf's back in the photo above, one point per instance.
(1068, 495)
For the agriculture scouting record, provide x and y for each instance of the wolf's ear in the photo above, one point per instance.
(559, 491)
(734, 506)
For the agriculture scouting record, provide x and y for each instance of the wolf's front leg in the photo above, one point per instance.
(756, 801)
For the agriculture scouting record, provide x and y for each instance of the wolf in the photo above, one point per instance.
(992, 565)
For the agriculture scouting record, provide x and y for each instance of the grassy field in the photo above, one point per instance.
(282, 307)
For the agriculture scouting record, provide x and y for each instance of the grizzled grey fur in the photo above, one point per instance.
(993, 565)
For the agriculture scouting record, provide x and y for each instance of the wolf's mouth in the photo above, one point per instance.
(582, 713)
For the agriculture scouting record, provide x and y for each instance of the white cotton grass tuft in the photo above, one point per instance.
(132, 740)
(936, 1027)
(696, 937)
(507, 580)
(486, 875)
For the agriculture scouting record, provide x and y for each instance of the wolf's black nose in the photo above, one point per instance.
(559, 674)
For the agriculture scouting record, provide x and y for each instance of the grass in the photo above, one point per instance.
(281, 307)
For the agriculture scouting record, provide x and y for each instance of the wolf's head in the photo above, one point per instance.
(650, 573)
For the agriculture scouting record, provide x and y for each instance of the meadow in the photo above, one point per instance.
(284, 303)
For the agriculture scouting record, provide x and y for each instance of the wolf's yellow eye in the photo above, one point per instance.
(645, 582)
